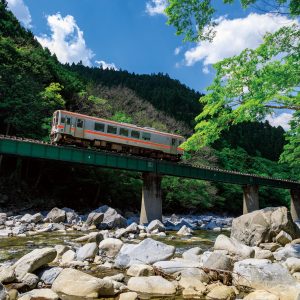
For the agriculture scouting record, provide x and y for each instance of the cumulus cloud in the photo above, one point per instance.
(104, 65)
(21, 11)
(66, 40)
(156, 7)
(233, 36)
(280, 120)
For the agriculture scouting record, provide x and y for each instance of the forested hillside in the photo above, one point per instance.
(33, 84)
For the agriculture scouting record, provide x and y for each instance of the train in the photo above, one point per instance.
(70, 128)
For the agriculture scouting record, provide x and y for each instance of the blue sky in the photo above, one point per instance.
(132, 35)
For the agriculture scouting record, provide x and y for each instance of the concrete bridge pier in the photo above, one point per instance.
(295, 204)
(151, 198)
(250, 198)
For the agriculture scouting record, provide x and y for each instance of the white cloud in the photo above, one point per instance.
(156, 7)
(110, 66)
(205, 70)
(177, 50)
(233, 36)
(21, 11)
(66, 40)
(280, 120)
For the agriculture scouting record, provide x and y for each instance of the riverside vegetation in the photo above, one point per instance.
(104, 255)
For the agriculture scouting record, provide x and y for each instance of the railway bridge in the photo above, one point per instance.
(152, 170)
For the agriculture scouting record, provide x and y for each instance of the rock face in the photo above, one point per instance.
(152, 285)
(56, 215)
(110, 247)
(262, 226)
(262, 274)
(148, 251)
(88, 251)
(233, 247)
(94, 218)
(111, 217)
(34, 260)
(78, 284)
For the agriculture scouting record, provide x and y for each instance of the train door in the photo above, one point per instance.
(173, 146)
(68, 125)
(79, 128)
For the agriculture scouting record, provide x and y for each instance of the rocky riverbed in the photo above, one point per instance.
(63, 255)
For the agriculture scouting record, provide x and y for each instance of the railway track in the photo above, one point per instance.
(15, 138)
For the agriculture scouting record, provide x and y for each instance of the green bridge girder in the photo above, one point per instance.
(37, 150)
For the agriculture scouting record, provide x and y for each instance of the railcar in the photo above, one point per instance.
(86, 131)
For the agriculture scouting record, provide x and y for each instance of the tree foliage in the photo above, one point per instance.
(252, 85)
(194, 19)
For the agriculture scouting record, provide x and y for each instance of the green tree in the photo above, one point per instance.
(194, 19)
(249, 86)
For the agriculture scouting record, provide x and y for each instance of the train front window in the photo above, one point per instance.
(124, 131)
(99, 127)
(111, 129)
(135, 134)
(79, 123)
(62, 120)
(146, 136)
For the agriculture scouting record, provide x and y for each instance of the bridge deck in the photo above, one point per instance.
(39, 150)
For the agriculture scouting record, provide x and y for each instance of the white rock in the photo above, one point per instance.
(56, 215)
(48, 275)
(34, 260)
(148, 251)
(173, 266)
(218, 261)
(88, 251)
(40, 294)
(68, 256)
(283, 238)
(292, 264)
(261, 295)
(185, 231)
(233, 246)
(94, 218)
(153, 285)
(287, 251)
(156, 225)
(140, 270)
(110, 247)
(128, 296)
(221, 292)
(76, 283)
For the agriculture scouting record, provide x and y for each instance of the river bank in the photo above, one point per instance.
(62, 255)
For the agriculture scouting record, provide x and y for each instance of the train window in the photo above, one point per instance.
(135, 134)
(79, 123)
(99, 127)
(68, 121)
(146, 136)
(62, 120)
(173, 142)
(112, 129)
(124, 131)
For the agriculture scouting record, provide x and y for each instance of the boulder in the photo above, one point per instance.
(185, 231)
(156, 286)
(110, 247)
(30, 280)
(111, 218)
(33, 260)
(3, 218)
(68, 256)
(140, 270)
(148, 251)
(195, 273)
(192, 283)
(262, 226)
(233, 246)
(91, 237)
(94, 218)
(269, 246)
(192, 254)
(283, 238)
(156, 224)
(71, 216)
(132, 228)
(46, 294)
(56, 215)
(60, 250)
(128, 296)
(88, 251)
(265, 275)
(221, 292)
(263, 254)
(48, 275)
(176, 265)
(218, 261)
(292, 264)
(7, 274)
(75, 283)
(261, 295)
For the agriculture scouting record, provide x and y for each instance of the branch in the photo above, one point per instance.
(283, 107)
